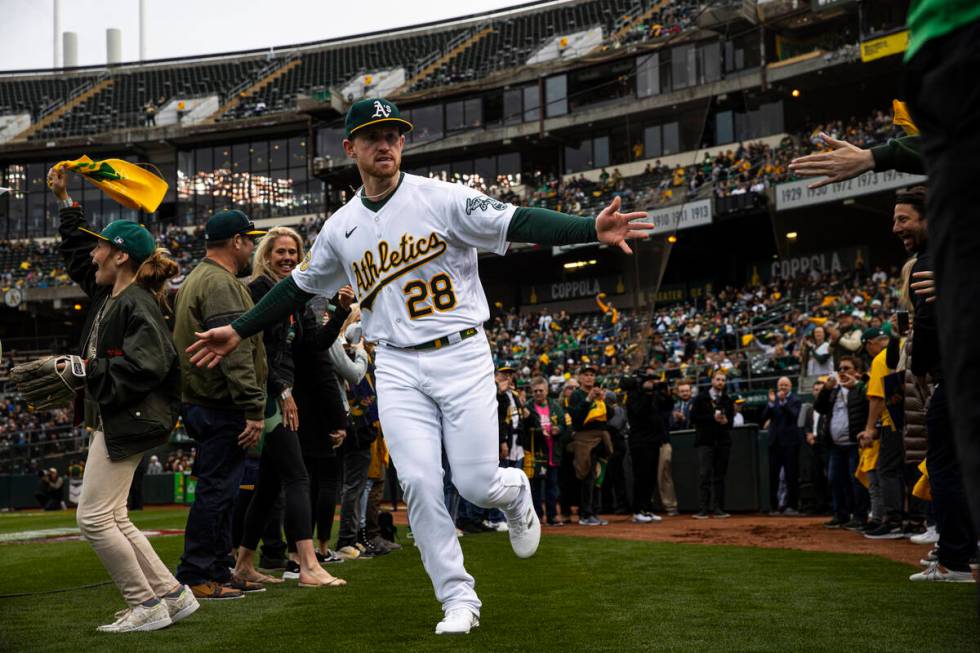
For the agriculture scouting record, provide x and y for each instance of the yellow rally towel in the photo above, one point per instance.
(125, 182)
(867, 462)
(922, 488)
(902, 118)
(597, 413)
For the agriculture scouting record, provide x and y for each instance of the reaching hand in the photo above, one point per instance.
(346, 296)
(844, 161)
(926, 287)
(213, 345)
(615, 228)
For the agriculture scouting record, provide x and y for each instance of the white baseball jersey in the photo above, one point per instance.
(413, 263)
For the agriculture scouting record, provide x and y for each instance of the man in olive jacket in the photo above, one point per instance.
(224, 407)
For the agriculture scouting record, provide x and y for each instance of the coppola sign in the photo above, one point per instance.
(832, 262)
(585, 288)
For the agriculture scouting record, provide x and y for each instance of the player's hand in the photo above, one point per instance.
(346, 297)
(615, 228)
(290, 413)
(811, 439)
(926, 286)
(253, 431)
(213, 345)
(844, 161)
(504, 450)
(58, 182)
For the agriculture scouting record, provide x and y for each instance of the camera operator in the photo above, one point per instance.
(647, 402)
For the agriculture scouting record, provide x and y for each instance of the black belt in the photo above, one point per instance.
(439, 343)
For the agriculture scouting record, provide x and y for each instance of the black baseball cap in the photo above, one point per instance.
(374, 111)
(227, 224)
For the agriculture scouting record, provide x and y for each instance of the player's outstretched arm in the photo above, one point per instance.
(546, 227)
(615, 228)
(214, 344)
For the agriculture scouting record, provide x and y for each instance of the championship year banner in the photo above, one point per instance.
(796, 194)
(680, 216)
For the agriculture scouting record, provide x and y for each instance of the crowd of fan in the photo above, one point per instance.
(758, 331)
(748, 168)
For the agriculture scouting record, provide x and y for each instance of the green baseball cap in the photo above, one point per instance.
(130, 237)
(374, 111)
(872, 333)
(227, 224)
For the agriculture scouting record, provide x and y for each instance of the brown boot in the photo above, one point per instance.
(211, 591)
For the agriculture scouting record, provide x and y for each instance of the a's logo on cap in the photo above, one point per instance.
(381, 110)
(118, 240)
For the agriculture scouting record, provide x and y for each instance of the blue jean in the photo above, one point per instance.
(544, 487)
(841, 465)
(218, 467)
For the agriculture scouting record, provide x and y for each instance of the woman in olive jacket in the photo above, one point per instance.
(130, 401)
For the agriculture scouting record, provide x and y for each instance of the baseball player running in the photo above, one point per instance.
(409, 246)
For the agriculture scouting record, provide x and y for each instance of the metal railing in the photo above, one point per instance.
(72, 441)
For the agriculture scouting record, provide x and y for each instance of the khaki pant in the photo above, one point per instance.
(104, 521)
(665, 478)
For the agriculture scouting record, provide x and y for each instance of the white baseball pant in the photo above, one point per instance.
(445, 398)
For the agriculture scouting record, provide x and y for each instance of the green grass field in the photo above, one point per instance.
(577, 594)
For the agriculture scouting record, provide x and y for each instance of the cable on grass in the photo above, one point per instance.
(57, 591)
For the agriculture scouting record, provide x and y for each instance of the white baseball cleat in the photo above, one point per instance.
(525, 532)
(458, 621)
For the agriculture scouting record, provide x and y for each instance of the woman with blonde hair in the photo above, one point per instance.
(281, 466)
(131, 388)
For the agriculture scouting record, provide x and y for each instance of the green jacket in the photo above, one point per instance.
(210, 297)
(134, 377)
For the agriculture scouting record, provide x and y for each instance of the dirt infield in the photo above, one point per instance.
(801, 533)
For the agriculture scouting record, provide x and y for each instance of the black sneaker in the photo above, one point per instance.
(872, 525)
(854, 525)
(701, 515)
(720, 514)
(885, 531)
(292, 571)
(835, 522)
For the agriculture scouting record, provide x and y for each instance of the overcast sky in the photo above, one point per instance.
(186, 27)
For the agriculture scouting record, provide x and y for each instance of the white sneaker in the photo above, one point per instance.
(525, 532)
(653, 517)
(936, 572)
(458, 621)
(640, 518)
(181, 606)
(931, 536)
(140, 618)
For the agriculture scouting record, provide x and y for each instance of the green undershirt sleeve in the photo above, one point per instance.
(900, 154)
(546, 227)
(284, 298)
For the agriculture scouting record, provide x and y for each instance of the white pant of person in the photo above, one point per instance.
(445, 398)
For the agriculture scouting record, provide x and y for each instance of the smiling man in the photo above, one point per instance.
(409, 247)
